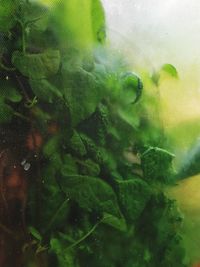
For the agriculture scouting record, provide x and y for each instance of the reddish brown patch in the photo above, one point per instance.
(34, 140)
(13, 194)
(15, 179)
(15, 185)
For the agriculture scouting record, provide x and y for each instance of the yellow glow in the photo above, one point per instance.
(187, 194)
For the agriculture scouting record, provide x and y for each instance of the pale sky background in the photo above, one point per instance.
(156, 31)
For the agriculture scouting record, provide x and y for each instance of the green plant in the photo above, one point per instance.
(75, 114)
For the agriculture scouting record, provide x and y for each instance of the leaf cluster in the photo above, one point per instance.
(88, 205)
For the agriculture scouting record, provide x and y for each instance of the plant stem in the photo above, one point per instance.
(22, 88)
(84, 237)
(2, 66)
(23, 39)
(23, 35)
(21, 116)
(56, 215)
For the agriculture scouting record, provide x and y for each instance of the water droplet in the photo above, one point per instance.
(27, 166)
(23, 162)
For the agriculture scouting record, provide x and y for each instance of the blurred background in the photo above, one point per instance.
(151, 33)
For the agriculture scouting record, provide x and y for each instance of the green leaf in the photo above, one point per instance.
(170, 69)
(115, 222)
(89, 167)
(91, 193)
(32, 13)
(132, 87)
(100, 118)
(35, 233)
(76, 144)
(9, 91)
(82, 94)
(98, 21)
(6, 112)
(45, 91)
(37, 66)
(51, 150)
(157, 164)
(69, 166)
(54, 204)
(55, 219)
(65, 257)
(7, 11)
(93, 150)
(11, 94)
(129, 116)
(51, 146)
(133, 196)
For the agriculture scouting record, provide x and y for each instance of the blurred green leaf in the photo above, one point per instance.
(69, 166)
(157, 164)
(6, 112)
(117, 223)
(52, 146)
(132, 87)
(44, 90)
(35, 233)
(91, 193)
(98, 21)
(89, 167)
(7, 14)
(170, 69)
(11, 94)
(82, 103)
(37, 66)
(76, 144)
(133, 195)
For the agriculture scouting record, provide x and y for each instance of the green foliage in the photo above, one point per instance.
(168, 69)
(131, 84)
(12, 94)
(77, 145)
(98, 21)
(44, 90)
(89, 90)
(89, 167)
(6, 112)
(7, 10)
(157, 164)
(190, 163)
(131, 206)
(159, 230)
(87, 205)
(64, 257)
(91, 193)
(37, 66)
